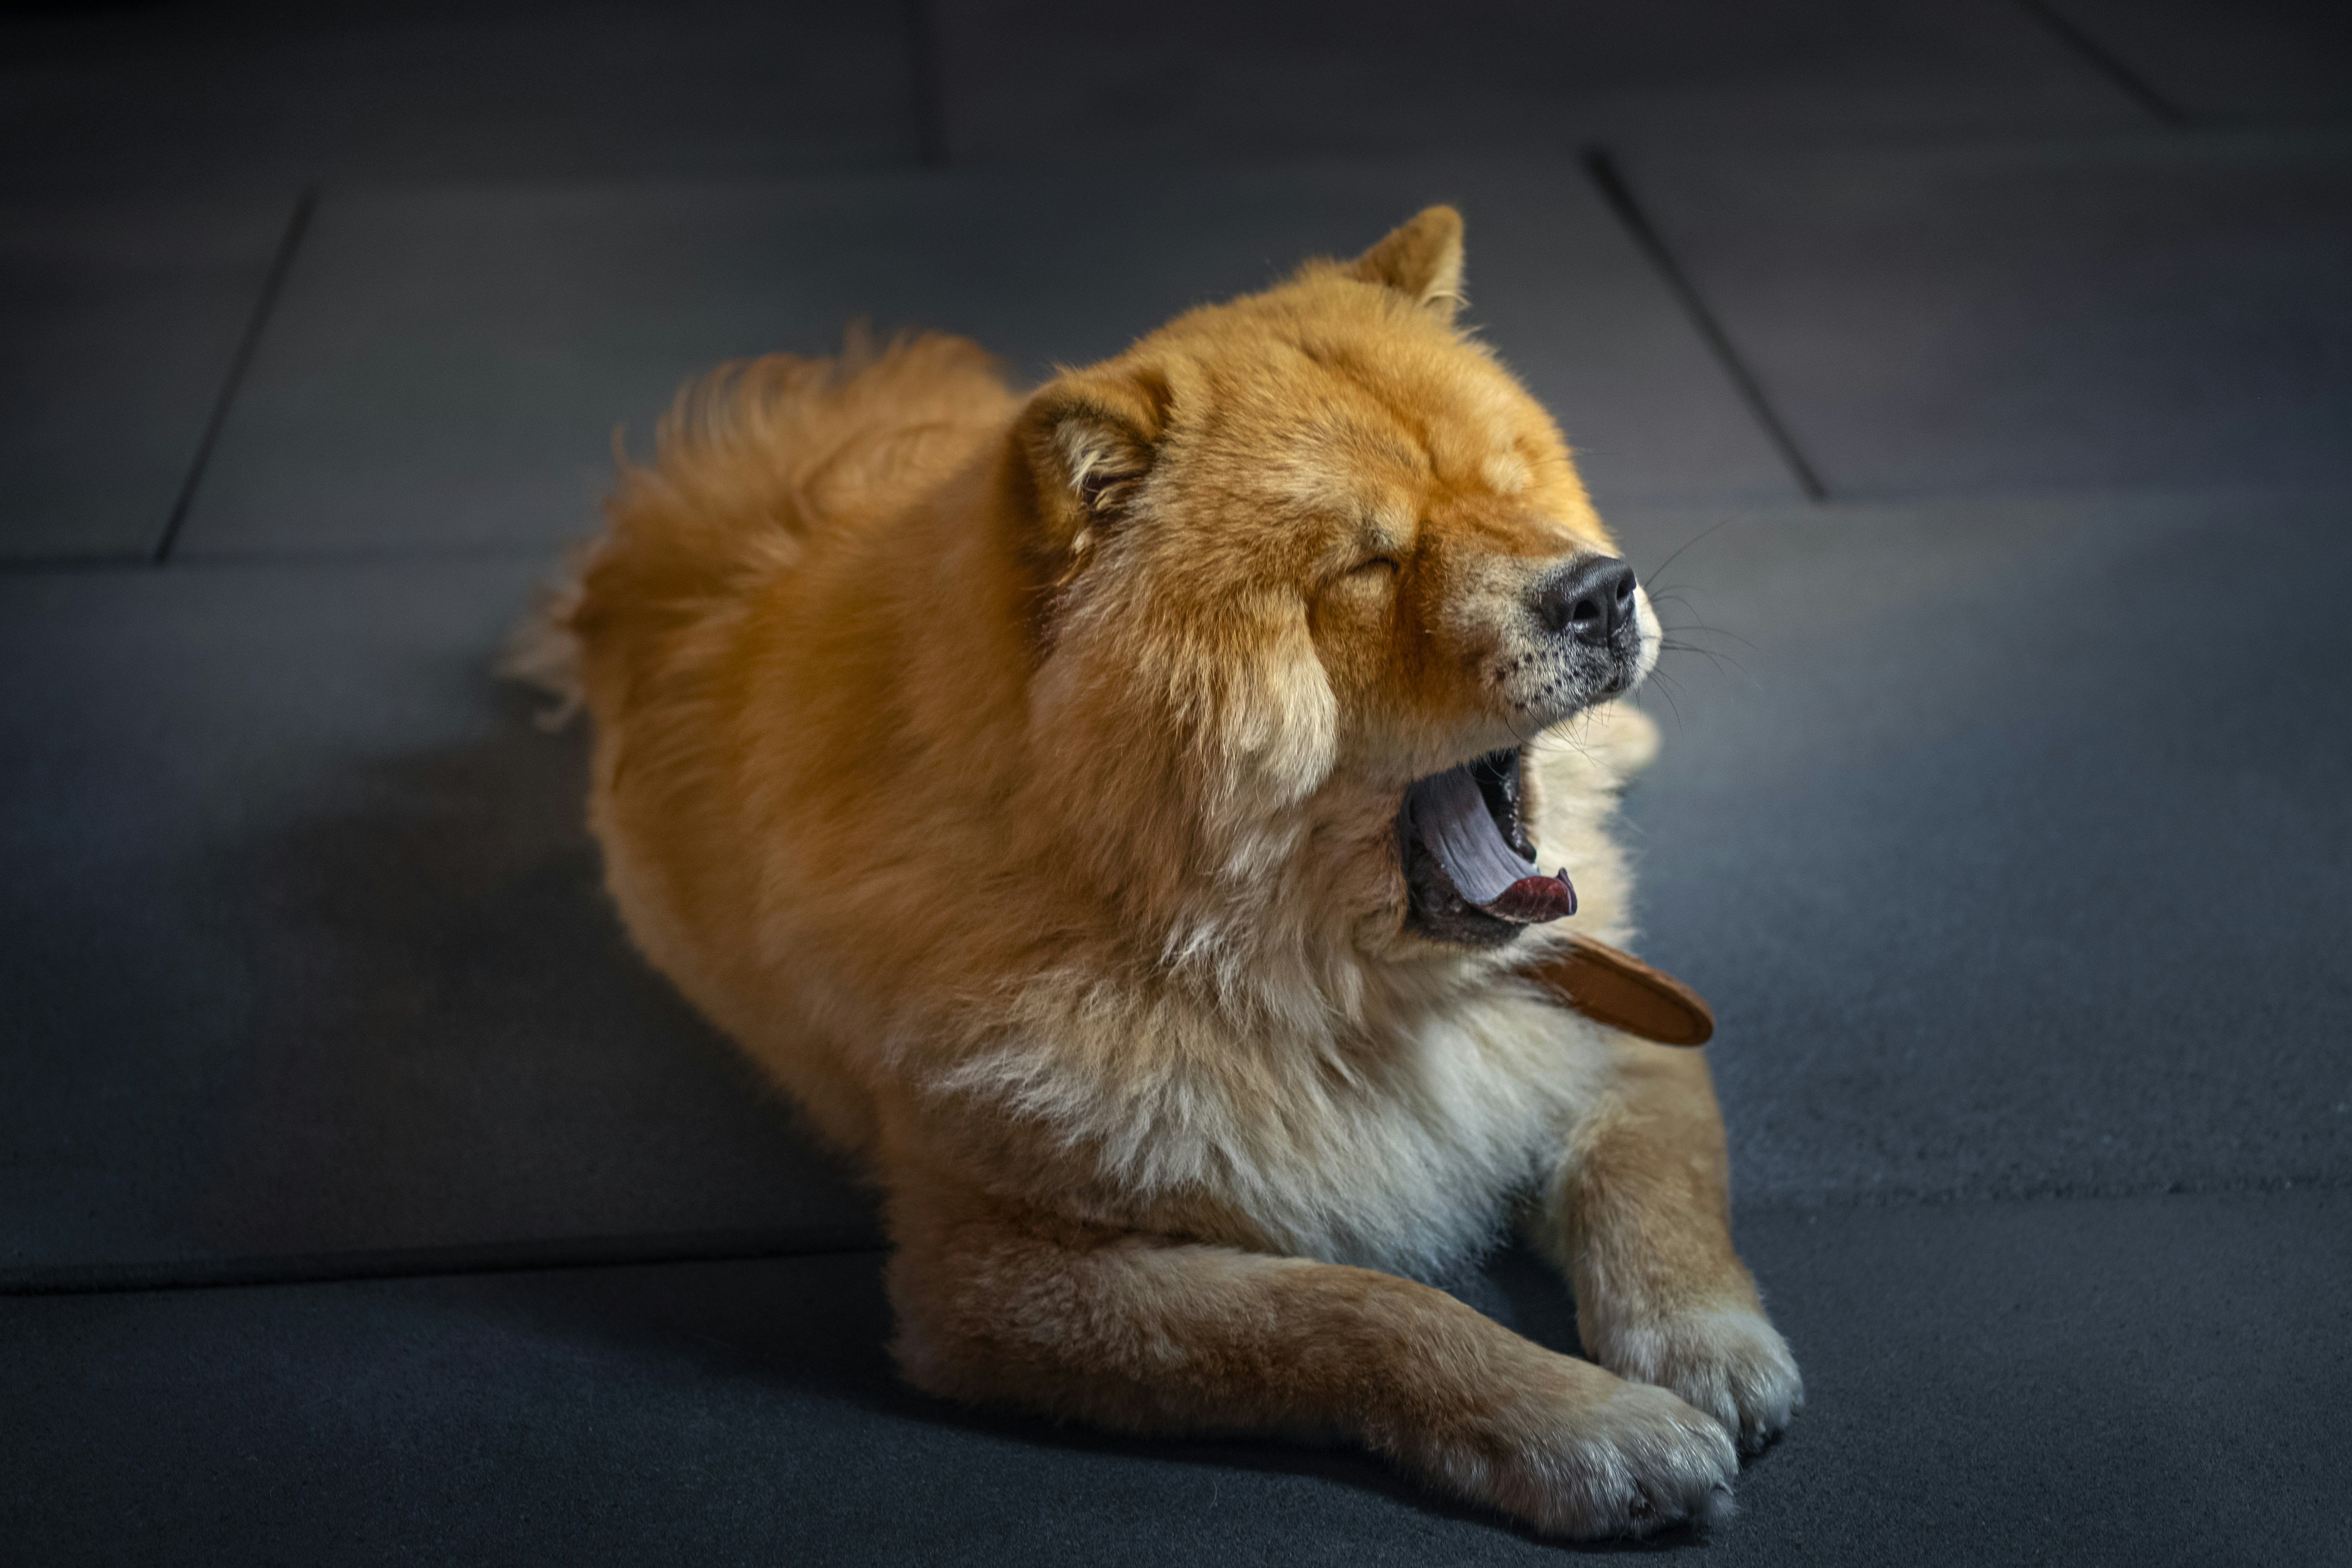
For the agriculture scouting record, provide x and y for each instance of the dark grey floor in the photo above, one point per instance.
(2102, 1381)
(1972, 381)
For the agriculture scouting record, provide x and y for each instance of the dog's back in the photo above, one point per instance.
(756, 465)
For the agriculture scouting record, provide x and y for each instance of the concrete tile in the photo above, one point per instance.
(122, 319)
(302, 949)
(2153, 313)
(2230, 61)
(2013, 845)
(2112, 1381)
(447, 367)
(1054, 82)
(157, 97)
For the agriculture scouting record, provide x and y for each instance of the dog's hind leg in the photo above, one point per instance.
(1639, 1215)
(1149, 1334)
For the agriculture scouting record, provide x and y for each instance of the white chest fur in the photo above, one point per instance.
(1409, 1164)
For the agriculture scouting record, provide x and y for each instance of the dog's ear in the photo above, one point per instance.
(1422, 261)
(1091, 439)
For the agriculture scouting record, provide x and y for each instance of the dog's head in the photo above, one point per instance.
(1312, 569)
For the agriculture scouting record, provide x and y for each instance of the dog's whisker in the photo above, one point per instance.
(1701, 629)
(1666, 689)
(1694, 622)
(1720, 660)
(1699, 538)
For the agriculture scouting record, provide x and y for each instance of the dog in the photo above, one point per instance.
(1118, 814)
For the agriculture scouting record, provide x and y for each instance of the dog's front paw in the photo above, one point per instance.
(1729, 1363)
(1578, 1453)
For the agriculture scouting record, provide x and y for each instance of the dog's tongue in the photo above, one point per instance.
(1450, 814)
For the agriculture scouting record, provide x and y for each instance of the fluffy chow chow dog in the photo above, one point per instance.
(1122, 815)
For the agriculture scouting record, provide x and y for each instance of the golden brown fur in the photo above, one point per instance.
(1017, 780)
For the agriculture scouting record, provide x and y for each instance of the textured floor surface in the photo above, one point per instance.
(1971, 381)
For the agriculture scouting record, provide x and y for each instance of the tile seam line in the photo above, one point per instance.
(273, 282)
(297, 556)
(1601, 168)
(2091, 52)
(426, 1263)
(656, 1251)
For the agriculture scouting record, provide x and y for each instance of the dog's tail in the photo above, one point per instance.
(751, 462)
(543, 650)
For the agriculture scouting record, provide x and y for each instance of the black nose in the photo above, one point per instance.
(1590, 603)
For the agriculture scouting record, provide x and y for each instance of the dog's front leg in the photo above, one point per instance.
(1151, 1334)
(1640, 1216)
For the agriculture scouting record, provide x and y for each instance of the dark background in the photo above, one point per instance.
(1971, 379)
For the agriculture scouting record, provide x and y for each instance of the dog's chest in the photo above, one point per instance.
(1411, 1169)
(1405, 1154)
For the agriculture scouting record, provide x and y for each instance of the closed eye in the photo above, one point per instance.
(1377, 564)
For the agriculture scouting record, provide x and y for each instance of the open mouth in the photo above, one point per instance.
(1470, 872)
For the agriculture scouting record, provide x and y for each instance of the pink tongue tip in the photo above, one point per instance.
(1532, 901)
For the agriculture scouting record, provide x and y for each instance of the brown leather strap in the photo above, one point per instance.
(1617, 989)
